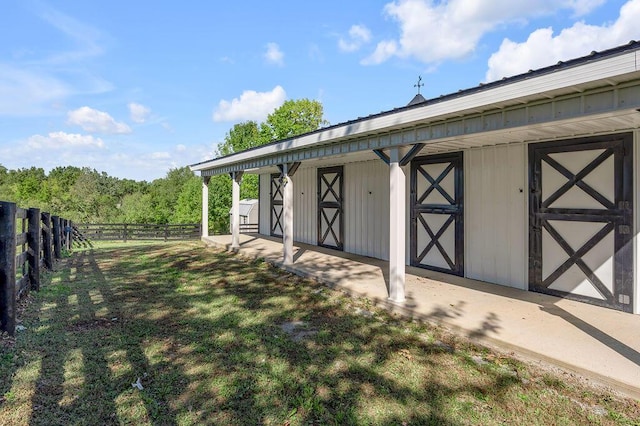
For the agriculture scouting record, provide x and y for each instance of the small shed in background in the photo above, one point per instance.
(249, 213)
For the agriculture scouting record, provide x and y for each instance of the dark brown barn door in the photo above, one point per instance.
(437, 215)
(581, 220)
(276, 205)
(330, 207)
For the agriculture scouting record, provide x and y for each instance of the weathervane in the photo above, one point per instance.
(419, 84)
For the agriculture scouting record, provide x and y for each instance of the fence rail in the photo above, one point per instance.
(248, 228)
(29, 240)
(129, 231)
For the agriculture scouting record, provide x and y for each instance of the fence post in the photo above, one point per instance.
(63, 234)
(8, 267)
(34, 238)
(46, 241)
(124, 233)
(166, 232)
(68, 229)
(56, 237)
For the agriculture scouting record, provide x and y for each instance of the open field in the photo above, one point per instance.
(213, 338)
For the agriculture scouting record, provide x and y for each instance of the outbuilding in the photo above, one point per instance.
(248, 215)
(528, 182)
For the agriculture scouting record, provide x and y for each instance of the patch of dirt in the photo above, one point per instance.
(93, 324)
(298, 330)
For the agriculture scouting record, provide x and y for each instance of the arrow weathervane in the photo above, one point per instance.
(419, 84)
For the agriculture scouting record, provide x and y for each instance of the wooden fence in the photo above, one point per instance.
(29, 240)
(128, 231)
(249, 228)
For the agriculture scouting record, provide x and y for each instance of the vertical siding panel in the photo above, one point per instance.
(470, 216)
(502, 211)
(352, 206)
(636, 210)
(304, 211)
(495, 215)
(366, 227)
(518, 219)
(264, 204)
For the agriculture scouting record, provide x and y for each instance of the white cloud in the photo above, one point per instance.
(23, 92)
(62, 140)
(358, 35)
(274, 55)
(86, 38)
(92, 120)
(435, 31)
(543, 48)
(35, 83)
(384, 50)
(139, 113)
(251, 105)
(181, 148)
(162, 155)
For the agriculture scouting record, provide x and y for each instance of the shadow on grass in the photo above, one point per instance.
(202, 330)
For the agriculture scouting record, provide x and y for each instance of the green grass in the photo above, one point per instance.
(206, 333)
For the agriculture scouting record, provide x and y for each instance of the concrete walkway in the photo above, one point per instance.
(598, 343)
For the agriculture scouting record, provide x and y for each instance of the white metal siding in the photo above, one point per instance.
(265, 204)
(636, 207)
(305, 202)
(366, 209)
(496, 215)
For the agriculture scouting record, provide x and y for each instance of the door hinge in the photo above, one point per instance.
(624, 229)
(624, 299)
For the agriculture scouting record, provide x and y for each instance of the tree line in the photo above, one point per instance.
(86, 195)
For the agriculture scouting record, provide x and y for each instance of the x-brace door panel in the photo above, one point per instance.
(581, 220)
(437, 225)
(330, 207)
(276, 205)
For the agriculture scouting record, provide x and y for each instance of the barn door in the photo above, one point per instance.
(581, 220)
(437, 226)
(276, 205)
(330, 209)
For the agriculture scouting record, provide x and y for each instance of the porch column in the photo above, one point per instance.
(397, 217)
(236, 178)
(205, 205)
(287, 215)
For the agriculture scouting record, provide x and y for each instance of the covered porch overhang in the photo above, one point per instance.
(590, 98)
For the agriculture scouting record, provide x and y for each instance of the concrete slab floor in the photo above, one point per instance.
(598, 343)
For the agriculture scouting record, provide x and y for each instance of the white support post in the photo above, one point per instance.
(287, 214)
(236, 178)
(397, 230)
(205, 206)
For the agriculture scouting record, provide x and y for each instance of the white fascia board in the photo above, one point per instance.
(537, 85)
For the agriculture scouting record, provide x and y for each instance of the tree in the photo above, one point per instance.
(189, 204)
(164, 193)
(293, 118)
(241, 137)
(219, 203)
(136, 208)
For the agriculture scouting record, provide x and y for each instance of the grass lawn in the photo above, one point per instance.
(213, 338)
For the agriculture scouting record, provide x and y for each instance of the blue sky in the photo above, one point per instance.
(135, 88)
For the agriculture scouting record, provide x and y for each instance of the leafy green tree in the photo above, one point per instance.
(136, 208)
(219, 203)
(164, 193)
(189, 204)
(293, 118)
(241, 137)
(28, 186)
